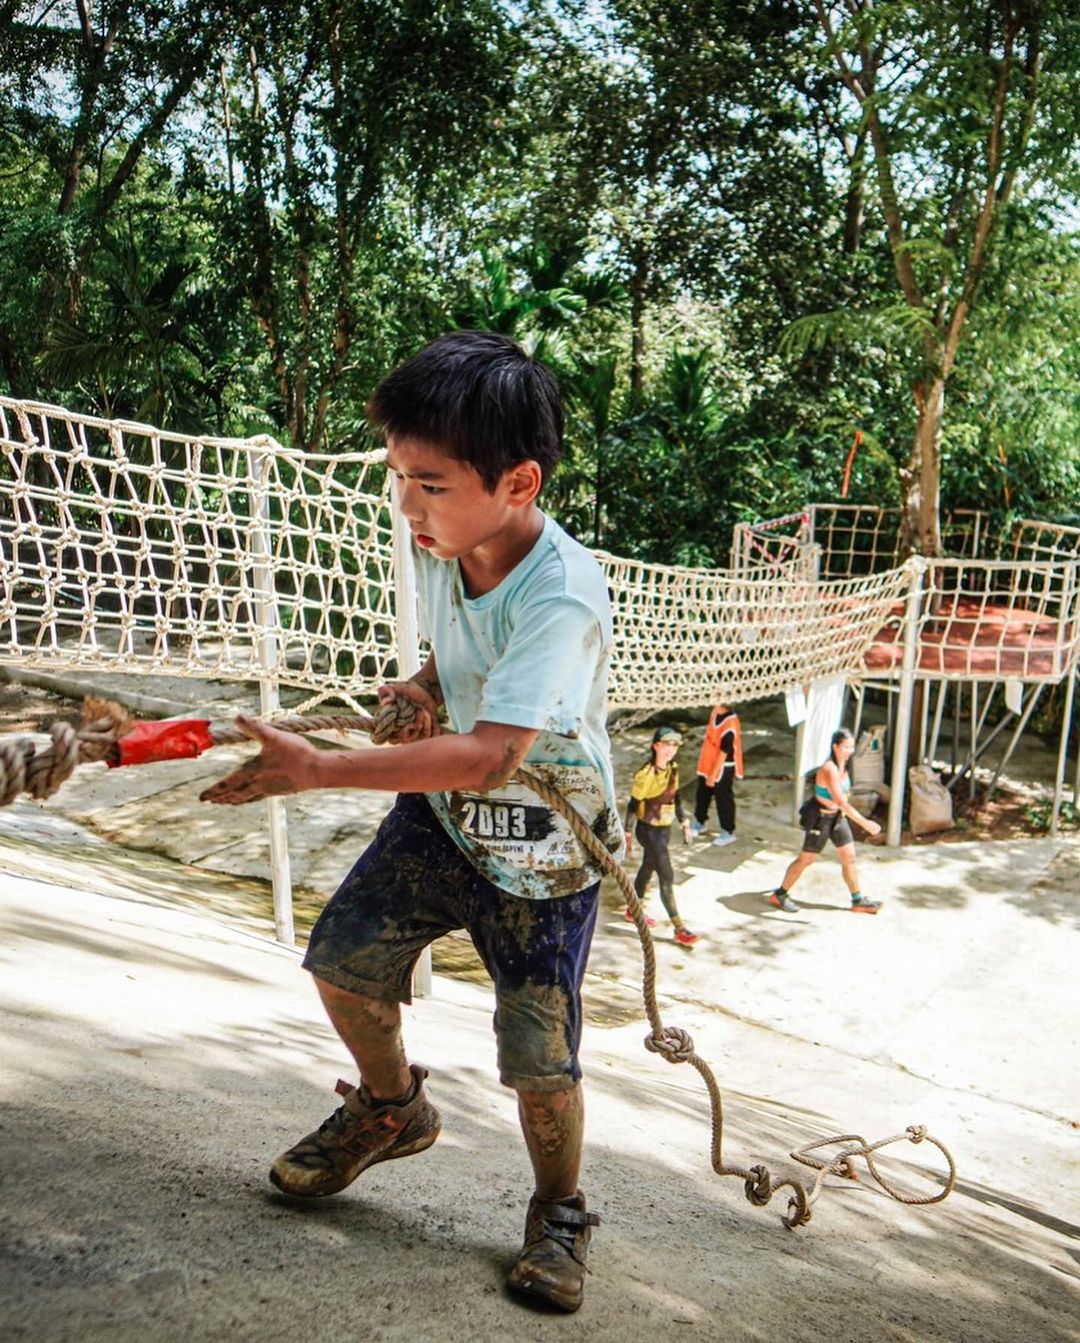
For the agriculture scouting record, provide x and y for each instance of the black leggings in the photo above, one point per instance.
(724, 793)
(655, 858)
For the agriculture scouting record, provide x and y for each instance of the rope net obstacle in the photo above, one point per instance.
(127, 548)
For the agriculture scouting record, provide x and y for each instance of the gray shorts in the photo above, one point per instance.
(832, 825)
(413, 884)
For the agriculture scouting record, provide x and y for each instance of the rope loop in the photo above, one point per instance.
(798, 1213)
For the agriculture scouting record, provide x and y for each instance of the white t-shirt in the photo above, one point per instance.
(531, 653)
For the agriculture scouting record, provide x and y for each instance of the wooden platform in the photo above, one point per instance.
(969, 638)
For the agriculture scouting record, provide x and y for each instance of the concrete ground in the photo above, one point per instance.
(160, 1048)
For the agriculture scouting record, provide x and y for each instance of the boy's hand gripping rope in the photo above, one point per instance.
(107, 732)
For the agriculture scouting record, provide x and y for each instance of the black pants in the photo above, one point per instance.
(724, 793)
(655, 858)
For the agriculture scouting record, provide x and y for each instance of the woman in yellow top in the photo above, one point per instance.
(654, 804)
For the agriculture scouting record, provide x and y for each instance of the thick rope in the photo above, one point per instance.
(676, 1046)
(40, 773)
(24, 768)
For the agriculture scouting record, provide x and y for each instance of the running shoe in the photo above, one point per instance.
(629, 917)
(358, 1134)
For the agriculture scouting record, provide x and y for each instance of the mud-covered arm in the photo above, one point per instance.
(477, 760)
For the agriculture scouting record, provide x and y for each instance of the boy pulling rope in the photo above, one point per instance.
(107, 732)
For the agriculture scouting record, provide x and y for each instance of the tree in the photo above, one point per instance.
(964, 106)
(343, 128)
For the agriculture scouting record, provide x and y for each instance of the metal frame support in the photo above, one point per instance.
(1033, 699)
(902, 735)
(798, 784)
(269, 651)
(939, 709)
(1063, 750)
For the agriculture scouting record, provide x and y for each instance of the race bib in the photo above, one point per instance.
(515, 828)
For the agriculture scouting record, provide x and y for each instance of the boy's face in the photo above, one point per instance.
(445, 502)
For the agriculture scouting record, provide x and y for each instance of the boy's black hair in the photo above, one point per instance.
(478, 397)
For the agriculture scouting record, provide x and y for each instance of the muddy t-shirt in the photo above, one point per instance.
(531, 653)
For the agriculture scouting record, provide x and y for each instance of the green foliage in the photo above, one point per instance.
(236, 218)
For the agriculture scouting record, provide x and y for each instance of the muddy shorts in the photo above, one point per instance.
(412, 885)
(832, 825)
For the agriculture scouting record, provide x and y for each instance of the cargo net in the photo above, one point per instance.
(125, 547)
(687, 637)
(990, 620)
(1001, 603)
(128, 548)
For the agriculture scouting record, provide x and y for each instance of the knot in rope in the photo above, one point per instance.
(916, 1132)
(391, 718)
(673, 1044)
(25, 769)
(758, 1186)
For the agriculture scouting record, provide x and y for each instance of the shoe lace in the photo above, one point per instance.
(566, 1234)
(337, 1122)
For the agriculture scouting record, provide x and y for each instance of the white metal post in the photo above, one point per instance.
(266, 616)
(1063, 751)
(798, 783)
(407, 649)
(902, 734)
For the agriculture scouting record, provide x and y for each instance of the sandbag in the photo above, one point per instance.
(868, 758)
(931, 802)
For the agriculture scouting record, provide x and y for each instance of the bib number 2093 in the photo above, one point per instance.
(494, 820)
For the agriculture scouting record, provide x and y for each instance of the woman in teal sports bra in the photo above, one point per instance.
(829, 820)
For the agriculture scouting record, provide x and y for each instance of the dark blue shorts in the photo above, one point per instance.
(413, 884)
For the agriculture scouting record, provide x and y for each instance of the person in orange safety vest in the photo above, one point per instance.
(720, 763)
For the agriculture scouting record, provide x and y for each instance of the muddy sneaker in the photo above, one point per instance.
(861, 905)
(357, 1135)
(781, 900)
(551, 1265)
(685, 937)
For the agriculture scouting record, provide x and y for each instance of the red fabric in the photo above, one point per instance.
(148, 742)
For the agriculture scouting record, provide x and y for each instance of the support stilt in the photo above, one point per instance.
(943, 689)
(901, 740)
(1063, 748)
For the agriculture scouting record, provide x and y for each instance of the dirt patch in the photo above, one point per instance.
(26, 708)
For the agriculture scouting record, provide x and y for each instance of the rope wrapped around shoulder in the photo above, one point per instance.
(108, 733)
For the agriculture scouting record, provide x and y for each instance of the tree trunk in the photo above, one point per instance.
(922, 526)
(639, 285)
(855, 202)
